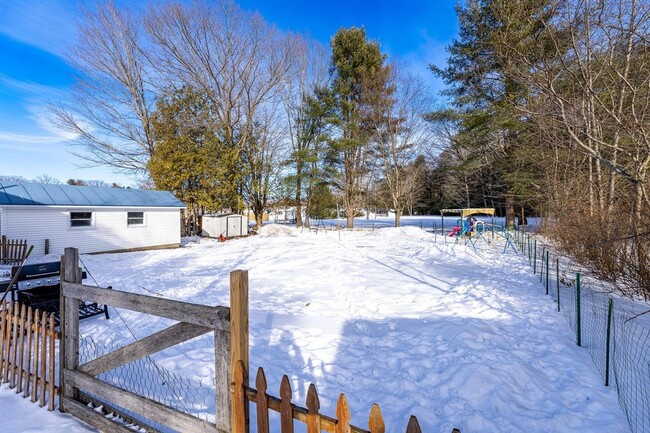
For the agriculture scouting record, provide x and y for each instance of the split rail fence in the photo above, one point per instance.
(27, 352)
(12, 251)
(79, 383)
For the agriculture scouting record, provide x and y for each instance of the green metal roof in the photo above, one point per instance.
(37, 194)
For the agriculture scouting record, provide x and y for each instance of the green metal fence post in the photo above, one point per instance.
(535, 258)
(530, 257)
(610, 305)
(557, 280)
(547, 270)
(541, 269)
(578, 330)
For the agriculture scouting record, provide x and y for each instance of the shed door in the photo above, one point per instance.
(234, 226)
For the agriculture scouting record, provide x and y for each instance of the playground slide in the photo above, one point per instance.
(454, 231)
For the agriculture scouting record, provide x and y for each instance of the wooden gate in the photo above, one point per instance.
(229, 325)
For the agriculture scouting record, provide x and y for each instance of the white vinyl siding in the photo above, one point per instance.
(109, 232)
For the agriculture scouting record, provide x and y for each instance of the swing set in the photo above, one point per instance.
(472, 230)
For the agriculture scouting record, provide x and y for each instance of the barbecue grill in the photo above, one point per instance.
(39, 286)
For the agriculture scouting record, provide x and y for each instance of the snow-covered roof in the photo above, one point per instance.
(37, 194)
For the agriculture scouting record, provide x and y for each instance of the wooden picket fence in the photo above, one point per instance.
(27, 352)
(311, 416)
(12, 251)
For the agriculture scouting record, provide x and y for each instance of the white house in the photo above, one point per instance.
(92, 219)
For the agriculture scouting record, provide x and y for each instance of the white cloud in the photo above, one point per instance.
(41, 115)
(34, 98)
(45, 24)
(8, 139)
(30, 88)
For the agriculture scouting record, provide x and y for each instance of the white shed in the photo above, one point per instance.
(228, 225)
(92, 219)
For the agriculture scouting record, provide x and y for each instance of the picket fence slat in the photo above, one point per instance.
(28, 360)
(343, 414)
(262, 403)
(3, 326)
(313, 407)
(14, 348)
(43, 359)
(7, 354)
(25, 361)
(413, 426)
(51, 387)
(286, 409)
(21, 346)
(376, 420)
(37, 346)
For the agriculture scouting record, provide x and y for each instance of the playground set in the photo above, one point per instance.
(475, 232)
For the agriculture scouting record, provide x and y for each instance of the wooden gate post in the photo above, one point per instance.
(231, 346)
(69, 325)
(239, 338)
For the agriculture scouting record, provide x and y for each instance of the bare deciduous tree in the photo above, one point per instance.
(47, 179)
(262, 157)
(234, 57)
(304, 126)
(111, 103)
(401, 134)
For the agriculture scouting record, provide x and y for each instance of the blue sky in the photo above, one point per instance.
(35, 36)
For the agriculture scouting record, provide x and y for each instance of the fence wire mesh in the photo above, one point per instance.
(148, 379)
(624, 361)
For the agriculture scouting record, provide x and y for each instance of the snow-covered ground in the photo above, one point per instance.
(387, 316)
(18, 415)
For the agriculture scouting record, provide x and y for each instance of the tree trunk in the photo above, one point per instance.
(523, 221)
(350, 216)
(349, 209)
(510, 211)
(299, 195)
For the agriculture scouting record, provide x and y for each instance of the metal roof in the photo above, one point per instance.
(38, 194)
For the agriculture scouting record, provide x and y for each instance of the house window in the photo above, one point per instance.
(135, 218)
(81, 219)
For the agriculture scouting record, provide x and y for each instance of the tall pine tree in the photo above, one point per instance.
(359, 81)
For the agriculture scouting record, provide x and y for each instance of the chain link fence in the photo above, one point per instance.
(146, 378)
(614, 330)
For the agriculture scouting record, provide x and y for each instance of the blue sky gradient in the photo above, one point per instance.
(35, 37)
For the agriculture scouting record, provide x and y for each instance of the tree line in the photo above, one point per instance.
(547, 114)
(550, 108)
(215, 104)
(49, 180)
